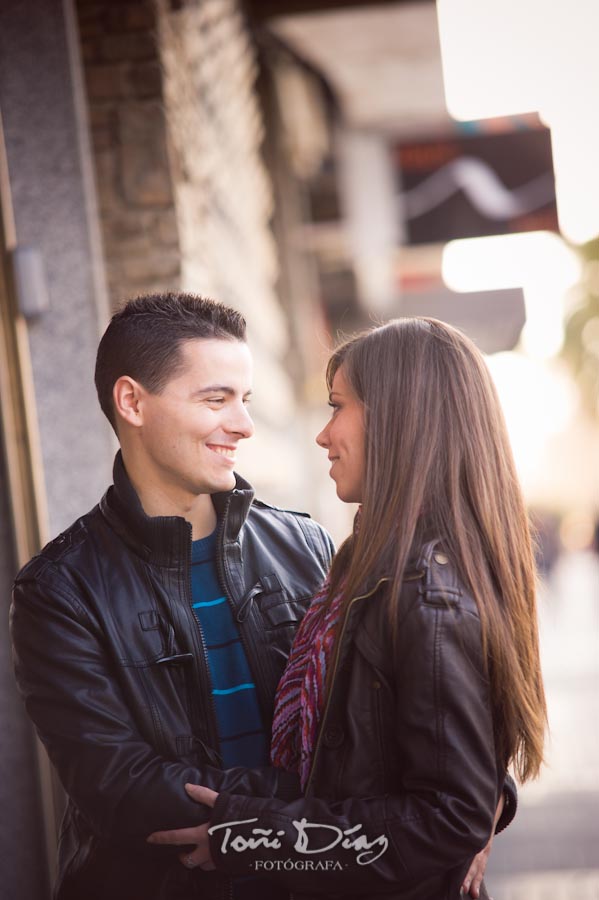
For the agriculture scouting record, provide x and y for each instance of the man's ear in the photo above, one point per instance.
(126, 397)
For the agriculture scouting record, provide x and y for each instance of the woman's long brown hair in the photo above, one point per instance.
(438, 462)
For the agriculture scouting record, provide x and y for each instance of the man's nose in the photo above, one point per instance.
(241, 423)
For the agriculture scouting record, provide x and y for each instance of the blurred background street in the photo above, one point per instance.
(551, 851)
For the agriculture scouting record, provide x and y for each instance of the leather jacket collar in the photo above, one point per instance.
(164, 540)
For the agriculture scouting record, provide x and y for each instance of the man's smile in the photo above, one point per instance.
(223, 450)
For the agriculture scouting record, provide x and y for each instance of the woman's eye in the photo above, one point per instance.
(335, 407)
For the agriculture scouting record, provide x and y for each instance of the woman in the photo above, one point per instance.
(414, 680)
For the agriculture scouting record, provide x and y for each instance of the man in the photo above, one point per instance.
(150, 636)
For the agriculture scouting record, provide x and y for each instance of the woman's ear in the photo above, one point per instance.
(126, 397)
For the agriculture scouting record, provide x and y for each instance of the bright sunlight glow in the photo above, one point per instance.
(537, 261)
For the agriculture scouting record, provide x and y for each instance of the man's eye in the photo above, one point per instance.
(216, 399)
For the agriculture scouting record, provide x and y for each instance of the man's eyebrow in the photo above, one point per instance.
(218, 389)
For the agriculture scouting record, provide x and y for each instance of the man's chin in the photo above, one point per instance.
(220, 485)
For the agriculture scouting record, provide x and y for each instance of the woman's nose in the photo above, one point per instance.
(322, 439)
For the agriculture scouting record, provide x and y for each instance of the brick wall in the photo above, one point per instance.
(127, 120)
(223, 191)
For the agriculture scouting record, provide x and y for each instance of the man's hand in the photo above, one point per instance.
(472, 881)
(474, 876)
(197, 835)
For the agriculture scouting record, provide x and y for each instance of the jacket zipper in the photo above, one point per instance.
(220, 569)
(220, 551)
(212, 730)
(334, 675)
(252, 652)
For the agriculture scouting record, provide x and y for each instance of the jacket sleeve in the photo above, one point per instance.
(120, 784)
(443, 747)
(510, 805)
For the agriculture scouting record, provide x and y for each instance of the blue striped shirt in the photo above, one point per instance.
(243, 740)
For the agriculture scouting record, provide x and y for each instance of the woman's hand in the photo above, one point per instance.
(197, 835)
(474, 876)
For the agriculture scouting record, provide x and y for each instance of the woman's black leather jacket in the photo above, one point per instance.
(405, 780)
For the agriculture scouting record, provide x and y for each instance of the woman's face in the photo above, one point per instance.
(343, 438)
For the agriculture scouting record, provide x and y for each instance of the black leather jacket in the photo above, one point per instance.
(405, 756)
(109, 660)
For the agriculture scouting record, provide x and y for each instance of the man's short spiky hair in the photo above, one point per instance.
(144, 338)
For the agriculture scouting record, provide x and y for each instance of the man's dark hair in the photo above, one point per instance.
(144, 338)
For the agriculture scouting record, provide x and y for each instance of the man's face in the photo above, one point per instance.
(190, 431)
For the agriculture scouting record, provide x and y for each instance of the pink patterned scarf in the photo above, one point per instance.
(300, 696)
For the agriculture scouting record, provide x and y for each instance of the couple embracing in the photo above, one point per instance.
(234, 710)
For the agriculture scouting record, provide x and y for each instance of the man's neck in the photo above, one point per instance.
(156, 500)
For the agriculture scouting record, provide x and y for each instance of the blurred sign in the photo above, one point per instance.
(471, 186)
(493, 319)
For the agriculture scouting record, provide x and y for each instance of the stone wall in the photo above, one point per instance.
(127, 122)
(223, 191)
